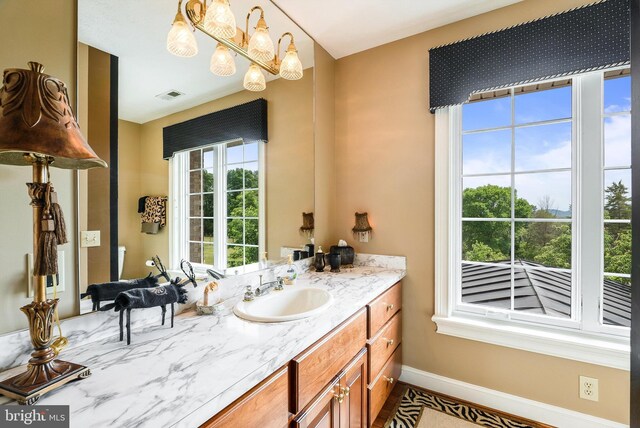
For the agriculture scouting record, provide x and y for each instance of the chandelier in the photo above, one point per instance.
(218, 22)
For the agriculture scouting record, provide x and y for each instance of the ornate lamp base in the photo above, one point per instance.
(25, 388)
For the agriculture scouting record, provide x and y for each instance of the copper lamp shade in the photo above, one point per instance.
(36, 118)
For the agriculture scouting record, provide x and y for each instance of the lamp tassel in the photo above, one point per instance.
(46, 262)
(58, 219)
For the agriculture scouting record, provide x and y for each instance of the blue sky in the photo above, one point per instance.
(541, 146)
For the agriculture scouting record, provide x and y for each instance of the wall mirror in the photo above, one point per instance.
(131, 36)
(230, 201)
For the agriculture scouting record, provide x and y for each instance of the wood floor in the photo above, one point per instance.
(390, 405)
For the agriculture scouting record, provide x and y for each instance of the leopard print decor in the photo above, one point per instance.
(155, 210)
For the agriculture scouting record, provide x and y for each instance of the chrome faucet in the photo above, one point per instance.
(277, 285)
(215, 274)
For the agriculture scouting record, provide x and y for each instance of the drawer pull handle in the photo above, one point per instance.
(390, 342)
(346, 390)
(390, 307)
(339, 397)
(389, 379)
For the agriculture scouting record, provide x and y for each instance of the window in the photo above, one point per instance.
(533, 216)
(219, 212)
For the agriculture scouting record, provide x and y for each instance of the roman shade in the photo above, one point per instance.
(590, 37)
(245, 121)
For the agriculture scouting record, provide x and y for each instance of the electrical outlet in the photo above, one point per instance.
(588, 388)
(90, 238)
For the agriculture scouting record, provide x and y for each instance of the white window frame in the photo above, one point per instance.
(582, 337)
(179, 226)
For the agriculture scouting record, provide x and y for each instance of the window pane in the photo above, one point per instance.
(251, 203)
(207, 205)
(207, 180)
(195, 252)
(492, 113)
(235, 178)
(234, 204)
(542, 292)
(235, 231)
(487, 197)
(616, 307)
(251, 255)
(617, 94)
(617, 248)
(207, 154)
(543, 147)
(251, 232)
(195, 185)
(486, 285)
(235, 256)
(251, 175)
(486, 241)
(234, 153)
(195, 229)
(251, 152)
(195, 161)
(617, 141)
(207, 226)
(195, 206)
(486, 152)
(207, 250)
(543, 244)
(543, 195)
(543, 105)
(617, 194)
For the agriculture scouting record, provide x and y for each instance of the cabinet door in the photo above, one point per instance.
(324, 411)
(353, 386)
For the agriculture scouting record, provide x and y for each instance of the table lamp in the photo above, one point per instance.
(38, 129)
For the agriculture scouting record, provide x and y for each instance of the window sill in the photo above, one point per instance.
(588, 348)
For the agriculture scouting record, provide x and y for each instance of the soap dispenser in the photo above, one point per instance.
(320, 263)
(291, 274)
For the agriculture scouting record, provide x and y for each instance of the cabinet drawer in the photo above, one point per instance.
(324, 411)
(381, 387)
(315, 367)
(383, 308)
(383, 344)
(266, 406)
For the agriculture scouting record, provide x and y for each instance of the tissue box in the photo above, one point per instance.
(347, 254)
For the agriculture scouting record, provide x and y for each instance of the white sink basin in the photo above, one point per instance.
(291, 304)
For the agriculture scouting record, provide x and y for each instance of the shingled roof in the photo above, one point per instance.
(537, 291)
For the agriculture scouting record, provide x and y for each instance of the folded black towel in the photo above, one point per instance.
(110, 290)
(141, 203)
(149, 297)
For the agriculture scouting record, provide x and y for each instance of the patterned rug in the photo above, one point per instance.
(411, 409)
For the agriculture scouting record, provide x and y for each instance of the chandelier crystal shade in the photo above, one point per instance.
(260, 44)
(291, 67)
(219, 19)
(254, 79)
(181, 41)
(222, 63)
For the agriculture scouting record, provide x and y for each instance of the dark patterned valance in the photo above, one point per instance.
(246, 121)
(591, 37)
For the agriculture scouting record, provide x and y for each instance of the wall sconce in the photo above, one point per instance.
(307, 224)
(362, 230)
(217, 21)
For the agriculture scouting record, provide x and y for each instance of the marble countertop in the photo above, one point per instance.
(181, 377)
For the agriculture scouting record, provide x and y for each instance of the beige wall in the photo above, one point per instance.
(98, 179)
(130, 164)
(289, 165)
(384, 165)
(45, 32)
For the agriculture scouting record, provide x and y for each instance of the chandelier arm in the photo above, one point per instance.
(277, 60)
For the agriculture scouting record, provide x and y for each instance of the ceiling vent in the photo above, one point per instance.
(169, 95)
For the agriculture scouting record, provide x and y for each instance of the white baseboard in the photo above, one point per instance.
(507, 403)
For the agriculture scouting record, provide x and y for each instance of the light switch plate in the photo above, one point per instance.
(90, 238)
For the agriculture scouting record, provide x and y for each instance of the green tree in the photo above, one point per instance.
(480, 252)
(491, 201)
(617, 253)
(617, 201)
(556, 252)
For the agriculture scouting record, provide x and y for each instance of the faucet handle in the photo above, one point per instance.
(249, 295)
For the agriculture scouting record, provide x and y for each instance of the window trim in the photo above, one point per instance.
(179, 226)
(605, 345)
